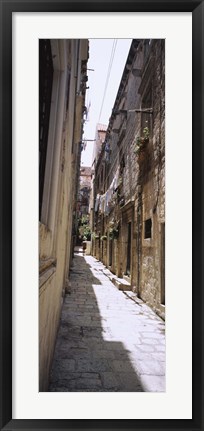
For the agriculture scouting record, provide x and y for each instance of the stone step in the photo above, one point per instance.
(120, 283)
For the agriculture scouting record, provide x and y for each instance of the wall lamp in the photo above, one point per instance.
(124, 111)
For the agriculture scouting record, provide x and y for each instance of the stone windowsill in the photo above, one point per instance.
(47, 269)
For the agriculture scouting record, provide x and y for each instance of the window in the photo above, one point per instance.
(148, 228)
(122, 161)
(147, 43)
(67, 90)
(45, 92)
(110, 252)
(163, 263)
(146, 120)
(128, 265)
(102, 180)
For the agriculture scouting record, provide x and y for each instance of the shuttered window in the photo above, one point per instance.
(45, 93)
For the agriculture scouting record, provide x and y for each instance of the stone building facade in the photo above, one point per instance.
(96, 163)
(129, 178)
(84, 190)
(62, 87)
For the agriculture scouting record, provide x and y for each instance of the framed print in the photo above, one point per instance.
(26, 403)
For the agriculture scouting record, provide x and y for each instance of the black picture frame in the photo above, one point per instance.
(6, 10)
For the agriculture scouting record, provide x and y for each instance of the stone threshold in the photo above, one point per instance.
(120, 283)
(125, 286)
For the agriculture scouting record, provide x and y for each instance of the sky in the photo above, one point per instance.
(107, 58)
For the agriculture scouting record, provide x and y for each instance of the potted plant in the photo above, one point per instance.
(111, 223)
(113, 233)
(95, 236)
(120, 181)
(141, 141)
(122, 201)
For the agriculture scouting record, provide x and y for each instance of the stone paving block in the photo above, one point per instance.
(96, 318)
(110, 381)
(160, 348)
(130, 343)
(145, 348)
(103, 354)
(153, 383)
(159, 356)
(75, 353)
(144, 328)
(92, 331)
(137, 354)
(112, 341)
(62, 368)
(57, 388)
(121, 355)
(94, 365)
(130, 382)
(79, 381)
(76, 343)
(151, 341)
(145, 334)
(94, 343)
(96, 324)
(84, 321)
(113, 346)
(90, 383)
(66, 382)
(123, 366)
(150, 367)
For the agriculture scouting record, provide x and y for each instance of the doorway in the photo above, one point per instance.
(163, 263)
(110, 251)
(128, 265)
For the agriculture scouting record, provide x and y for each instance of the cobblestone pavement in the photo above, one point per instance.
(106, 340)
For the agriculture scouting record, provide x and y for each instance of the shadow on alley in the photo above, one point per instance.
(106, 342)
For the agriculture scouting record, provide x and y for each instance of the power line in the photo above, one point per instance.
(108, 74)
(114, 162)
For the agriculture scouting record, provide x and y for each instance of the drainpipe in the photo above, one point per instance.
(58, 136)
(77, 130)
(139, 232)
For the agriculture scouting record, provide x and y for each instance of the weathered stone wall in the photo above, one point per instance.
(141, 193)
(55, 235)
(153, 193)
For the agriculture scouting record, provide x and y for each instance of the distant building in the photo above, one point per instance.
(97, 151)
(84, 190)
(99, 140)
(129, 178)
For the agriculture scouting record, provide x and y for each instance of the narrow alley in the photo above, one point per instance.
(108, 340)
(102, 193)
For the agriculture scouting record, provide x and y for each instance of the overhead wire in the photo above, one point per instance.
(116, 160)
(108, 75)
(137, 111)
(107, 78)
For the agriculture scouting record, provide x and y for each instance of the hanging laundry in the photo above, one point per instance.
(99, 207)
(107, 147)
(117, 177)
(106, 204)
(102, 202)
(107, 152)
(97, 202)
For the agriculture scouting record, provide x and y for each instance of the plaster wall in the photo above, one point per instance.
(55, 230)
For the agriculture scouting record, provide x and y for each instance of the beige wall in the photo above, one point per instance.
(55, 230)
